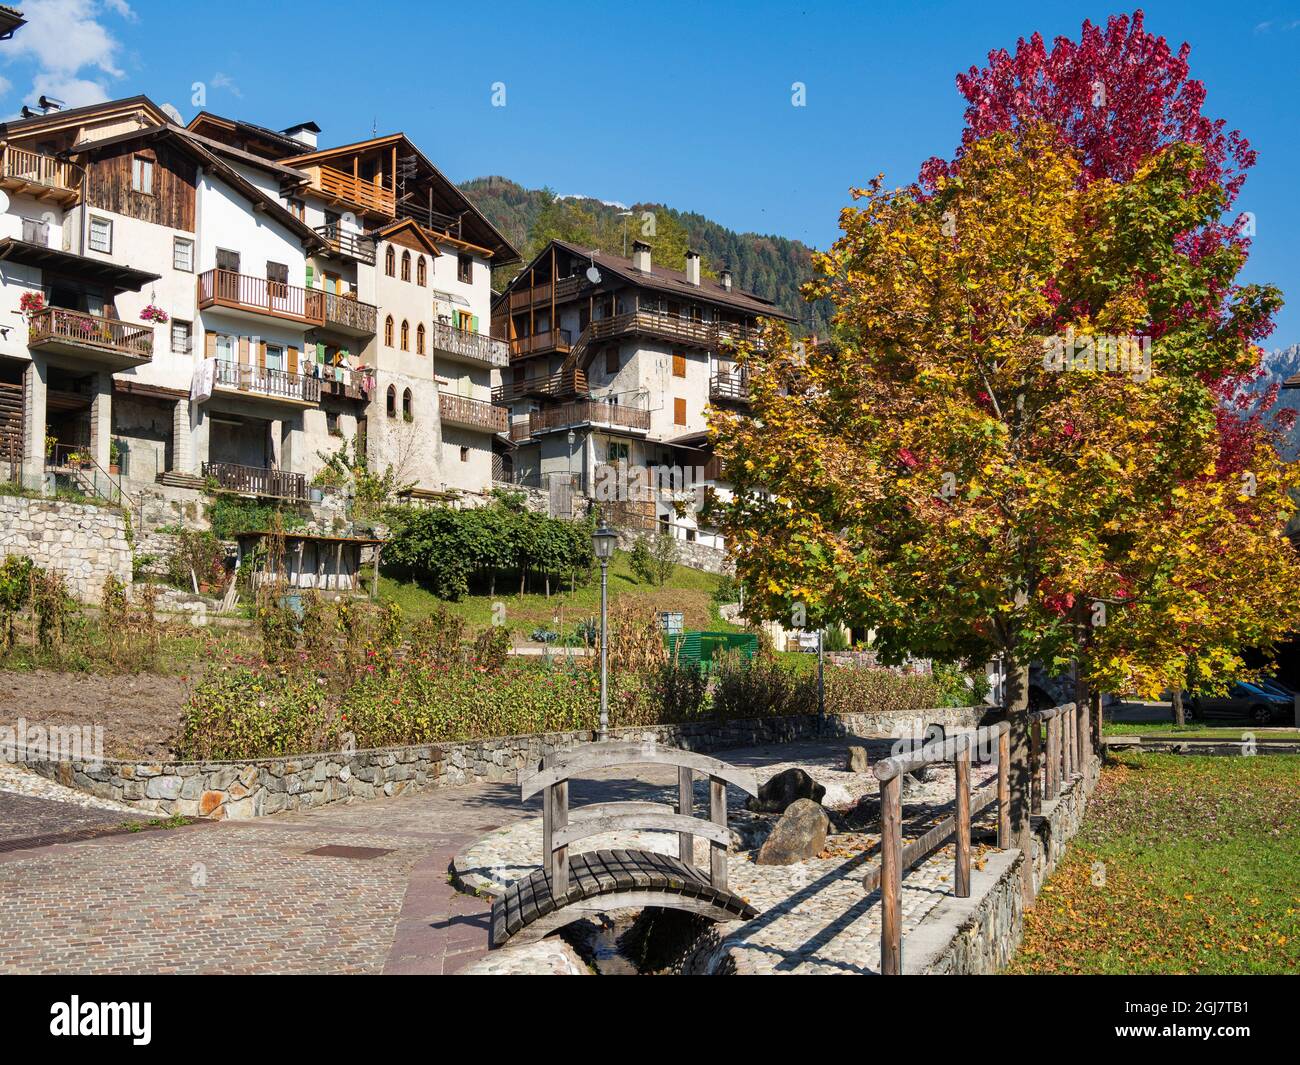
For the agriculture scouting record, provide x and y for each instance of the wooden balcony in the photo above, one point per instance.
(708, 335)
(348, 244)
(471, 413)
(258, 382)
(560, 340)
(257, 480)
(729, 387)
(588, 412)
(563, 385)
(470, 347)
(540, 295)
(344, 314)
(42, 176)
(77, 337)
(341, 188)
(261, 298)
(434, 221)
(341, 382)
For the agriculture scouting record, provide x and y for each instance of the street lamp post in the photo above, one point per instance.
(571, 438)
(602, 542)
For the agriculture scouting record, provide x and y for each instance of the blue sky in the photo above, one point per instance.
(686, 103)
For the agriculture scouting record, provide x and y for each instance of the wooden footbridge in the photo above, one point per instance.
(568, 889)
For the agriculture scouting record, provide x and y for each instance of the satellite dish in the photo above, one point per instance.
(171, 112)
(593, 275)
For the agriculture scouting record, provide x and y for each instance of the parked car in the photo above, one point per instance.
(1262, 702)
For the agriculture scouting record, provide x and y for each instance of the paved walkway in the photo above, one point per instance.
(251, 897)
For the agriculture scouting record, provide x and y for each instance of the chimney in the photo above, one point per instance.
(693, 268)
(641, 256)
(305, 133)
(726, 279)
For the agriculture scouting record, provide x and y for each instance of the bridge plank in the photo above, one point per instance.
(604, 879)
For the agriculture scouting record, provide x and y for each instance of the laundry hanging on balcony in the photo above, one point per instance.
(203, 381)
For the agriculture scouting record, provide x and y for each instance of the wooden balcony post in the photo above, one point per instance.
(686, 807)
(718, 815)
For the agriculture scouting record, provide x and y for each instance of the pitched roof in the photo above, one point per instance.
(115, 275)
(389, 230)
(54, 119)
(198, 149)
(672, 282)
(485, 233)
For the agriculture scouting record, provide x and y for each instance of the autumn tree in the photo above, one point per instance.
(1013, 398)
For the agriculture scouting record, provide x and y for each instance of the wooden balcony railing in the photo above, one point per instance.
(710, 335)
(430, 219)
(365, 194)
(356, 246)
(562, 385)
(349, 313)
(257, 480)
(471, 413)
(224, 288)
(729, 387)
(20, 168)
(585, 411)
(560, 340)
(273, 384)
(564, 289)
(473, 346)
(91, 331)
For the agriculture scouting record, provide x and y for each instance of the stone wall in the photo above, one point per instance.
(264, 786)
(84, 543)
(987, 939)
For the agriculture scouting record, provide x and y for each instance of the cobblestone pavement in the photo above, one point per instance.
(246, 897)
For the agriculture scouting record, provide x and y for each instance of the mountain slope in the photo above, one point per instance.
(769, 265)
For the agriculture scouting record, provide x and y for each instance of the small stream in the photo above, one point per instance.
(655, 941)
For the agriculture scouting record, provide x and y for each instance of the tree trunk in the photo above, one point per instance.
(1019, 773)
(1180, 718)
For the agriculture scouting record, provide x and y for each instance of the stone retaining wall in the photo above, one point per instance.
(987, 940)
(84, 543)
(257, 787)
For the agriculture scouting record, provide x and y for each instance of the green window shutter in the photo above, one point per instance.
(309, 275)
(320, 351)
(474, 325)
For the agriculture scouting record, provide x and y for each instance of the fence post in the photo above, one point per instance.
(560, 856)
(891, 876)
(1035, 767)
(1004, 790)
(685, 807)
(718, 815)
(961, 878)
(1053, 756)
(1067, 742)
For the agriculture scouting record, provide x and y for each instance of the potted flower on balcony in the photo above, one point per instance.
(153, 313)
(31, 303)
(114, 457)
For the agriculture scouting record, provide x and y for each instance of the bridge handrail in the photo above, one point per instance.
(551, 778)
(567, 763)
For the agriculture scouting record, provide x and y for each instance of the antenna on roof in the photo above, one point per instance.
(374, 126)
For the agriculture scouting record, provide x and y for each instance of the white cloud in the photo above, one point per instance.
(224, 81)
(74, 54)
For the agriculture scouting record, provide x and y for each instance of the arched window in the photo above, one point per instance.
(406, 335)
(390, 261)
(406, 266)
(419, 337)
(406, 406)
(388, 331)
(421, 272)
(392, 401)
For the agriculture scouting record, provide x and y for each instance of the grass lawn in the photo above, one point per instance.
(1183, 865)
(688, 590)
(1197, 730)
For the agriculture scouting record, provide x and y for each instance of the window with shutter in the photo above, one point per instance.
(611, 360)
(101, 234)
(142, 175)
(679, 412)
(679, 365)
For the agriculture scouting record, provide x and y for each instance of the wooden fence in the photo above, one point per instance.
(1054, 766)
